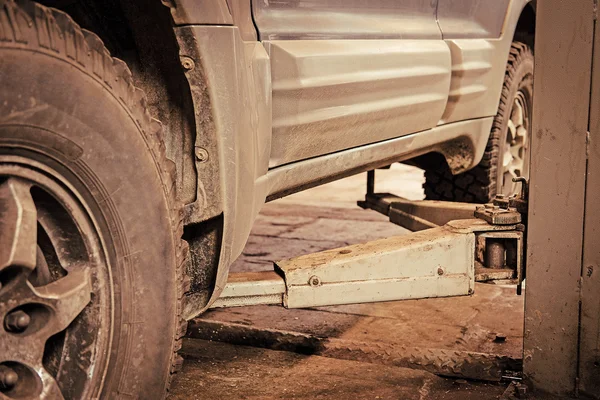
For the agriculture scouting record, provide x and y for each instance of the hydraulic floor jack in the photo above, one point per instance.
(452, 246)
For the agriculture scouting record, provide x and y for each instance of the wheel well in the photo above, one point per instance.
(525, 30)
(141, 34)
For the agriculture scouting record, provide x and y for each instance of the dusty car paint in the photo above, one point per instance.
(331, 95)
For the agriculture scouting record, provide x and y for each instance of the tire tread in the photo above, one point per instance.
(29, 25)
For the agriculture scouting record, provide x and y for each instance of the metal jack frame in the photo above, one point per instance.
(452, 246)
(443, 257)
(499, 255)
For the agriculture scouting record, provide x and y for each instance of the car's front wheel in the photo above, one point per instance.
(90, 252)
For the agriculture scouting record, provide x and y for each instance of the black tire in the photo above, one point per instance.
(67, 105)
(482, 183)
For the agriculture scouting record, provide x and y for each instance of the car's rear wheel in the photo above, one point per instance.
(91, 257)
(507, 153)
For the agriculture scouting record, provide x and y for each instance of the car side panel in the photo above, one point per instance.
(480, 19)
(474, 32)
(348, 19)
(476, 70)
(332, 95)
(335, 87)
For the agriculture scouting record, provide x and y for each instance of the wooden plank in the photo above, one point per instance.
(563, 53)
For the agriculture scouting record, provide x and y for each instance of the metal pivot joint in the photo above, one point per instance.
(499, 212)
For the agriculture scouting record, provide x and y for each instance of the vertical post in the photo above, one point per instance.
(589, 346)
(563, 51)
(371, 182)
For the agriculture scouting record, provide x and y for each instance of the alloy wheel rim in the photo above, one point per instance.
(514, 160)
(53, 287)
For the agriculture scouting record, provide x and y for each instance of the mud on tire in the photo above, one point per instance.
(68, 107)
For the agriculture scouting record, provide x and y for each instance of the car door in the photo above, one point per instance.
(474, 30)
(346, 73)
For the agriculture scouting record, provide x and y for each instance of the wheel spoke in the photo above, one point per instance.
(516, 115)
(51, 334)
(67, 297)
(507, 158)
(522, 133)
(50, 389)
(514, 152)
(22, 342)
(512, 132)
(18, 225)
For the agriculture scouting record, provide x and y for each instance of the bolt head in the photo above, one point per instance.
(17, 321)
(187, 63)
(8, 378)
(201, 154)
(440, 271)
(314, 281)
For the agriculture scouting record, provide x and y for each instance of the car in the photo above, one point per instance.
(115, 228)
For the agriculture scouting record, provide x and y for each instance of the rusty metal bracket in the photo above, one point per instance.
(496, 215)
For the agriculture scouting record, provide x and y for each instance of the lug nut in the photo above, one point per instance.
(8, 378)
(17, 321)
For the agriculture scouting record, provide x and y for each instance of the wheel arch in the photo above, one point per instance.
(525, 29)
(145, 35)
(141, 33)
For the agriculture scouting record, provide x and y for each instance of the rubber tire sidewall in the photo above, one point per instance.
(518, 82)
(88, 133)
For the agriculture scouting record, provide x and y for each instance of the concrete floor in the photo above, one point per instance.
(323, 218)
